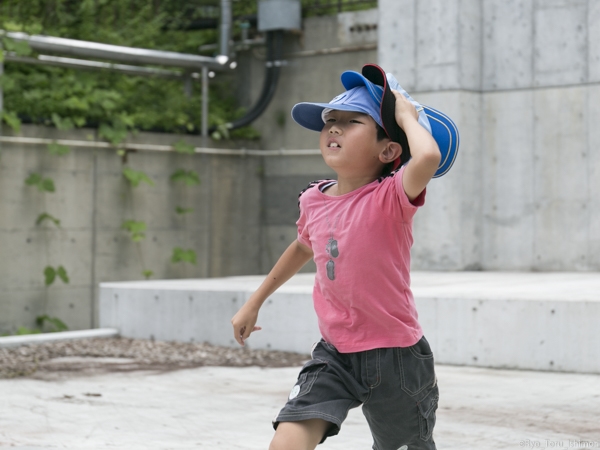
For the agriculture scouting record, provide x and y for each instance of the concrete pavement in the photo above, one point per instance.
(231, 408)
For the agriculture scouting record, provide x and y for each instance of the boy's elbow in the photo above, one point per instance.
(429, 157)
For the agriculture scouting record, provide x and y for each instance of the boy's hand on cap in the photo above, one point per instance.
(405, 110)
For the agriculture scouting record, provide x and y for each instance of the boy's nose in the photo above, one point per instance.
(335, 129)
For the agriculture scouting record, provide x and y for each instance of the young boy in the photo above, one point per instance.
(358, 230)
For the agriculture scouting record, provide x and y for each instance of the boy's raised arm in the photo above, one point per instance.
(290, 262)
(425, 153)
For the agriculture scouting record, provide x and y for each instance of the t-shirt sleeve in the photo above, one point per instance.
(394, 200)
(303, 236)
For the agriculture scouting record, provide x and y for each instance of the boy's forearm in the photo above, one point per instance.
(422, 145)
(290, 262)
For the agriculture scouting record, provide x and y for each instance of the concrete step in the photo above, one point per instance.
(538, 321)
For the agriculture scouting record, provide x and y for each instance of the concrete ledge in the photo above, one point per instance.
(538, 321)
(15, 341)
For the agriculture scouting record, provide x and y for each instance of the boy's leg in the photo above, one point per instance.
(401, 409)
(303, 435)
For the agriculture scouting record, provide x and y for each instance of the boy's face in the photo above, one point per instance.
(349, 143)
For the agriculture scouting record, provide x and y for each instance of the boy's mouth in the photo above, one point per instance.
(333, 144)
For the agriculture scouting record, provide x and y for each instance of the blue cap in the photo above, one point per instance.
(370, 93)
(357, 99)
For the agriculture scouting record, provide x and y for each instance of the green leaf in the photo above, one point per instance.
(114, 134)
(55, 323)
(181, 210)
(147, 273)
(182, 147)
(45, 216)
(62, 123)
(187, 177)
(21, 48)
(43, 184)
(181, 255)
(24, 330)
(58, 149)
(136, 177)
(47, 184)
(62, 274)
(12, 120)
(33, 180)
(137, 229)
(49, 275)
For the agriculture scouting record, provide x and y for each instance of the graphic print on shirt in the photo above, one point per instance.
(332, 250)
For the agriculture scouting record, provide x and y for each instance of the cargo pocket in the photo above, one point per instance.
(427, 409)
(307, 377)
(417, 369)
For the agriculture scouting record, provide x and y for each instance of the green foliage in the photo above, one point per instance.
(181, 210)
(136, 229)
(44, 324)
(50, 324)
(114, 102)
(45, 216)
(136, 177)
(43, 184)
(24, 330)
(62, 123)
(21, 48)
(12, 120)
(50, 274)
(187, 177)
(183, 147)
(58, 149)
(117, 132)
(147, 274)
(181, 255)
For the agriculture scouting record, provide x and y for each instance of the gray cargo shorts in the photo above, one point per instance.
(396, 387)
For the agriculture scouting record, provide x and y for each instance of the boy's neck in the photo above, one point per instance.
(345, 185)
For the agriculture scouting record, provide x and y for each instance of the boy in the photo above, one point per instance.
(358, 230)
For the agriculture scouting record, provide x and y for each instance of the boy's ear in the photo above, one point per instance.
(390, 153)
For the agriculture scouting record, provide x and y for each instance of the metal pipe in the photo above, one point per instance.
(225, 27)
(84, 64)
(115, 52)
(204, 124)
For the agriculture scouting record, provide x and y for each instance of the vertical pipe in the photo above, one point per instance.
(225, 27)
(204, 125)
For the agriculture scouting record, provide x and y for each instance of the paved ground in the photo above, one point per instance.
(231, 408)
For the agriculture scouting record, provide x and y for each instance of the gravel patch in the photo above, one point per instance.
(123, 354)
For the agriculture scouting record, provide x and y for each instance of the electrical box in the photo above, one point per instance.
(279, 15)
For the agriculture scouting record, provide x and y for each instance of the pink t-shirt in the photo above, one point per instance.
(361, 243)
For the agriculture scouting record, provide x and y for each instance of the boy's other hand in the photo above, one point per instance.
(405, 110)
(244, 323)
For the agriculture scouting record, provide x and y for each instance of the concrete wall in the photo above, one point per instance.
(521, 78)
(92, 200)
(306, 77)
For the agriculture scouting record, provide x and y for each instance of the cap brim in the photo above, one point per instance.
(446, 135)
(309, 115)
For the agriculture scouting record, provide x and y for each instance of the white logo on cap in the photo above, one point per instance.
(339, 98)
